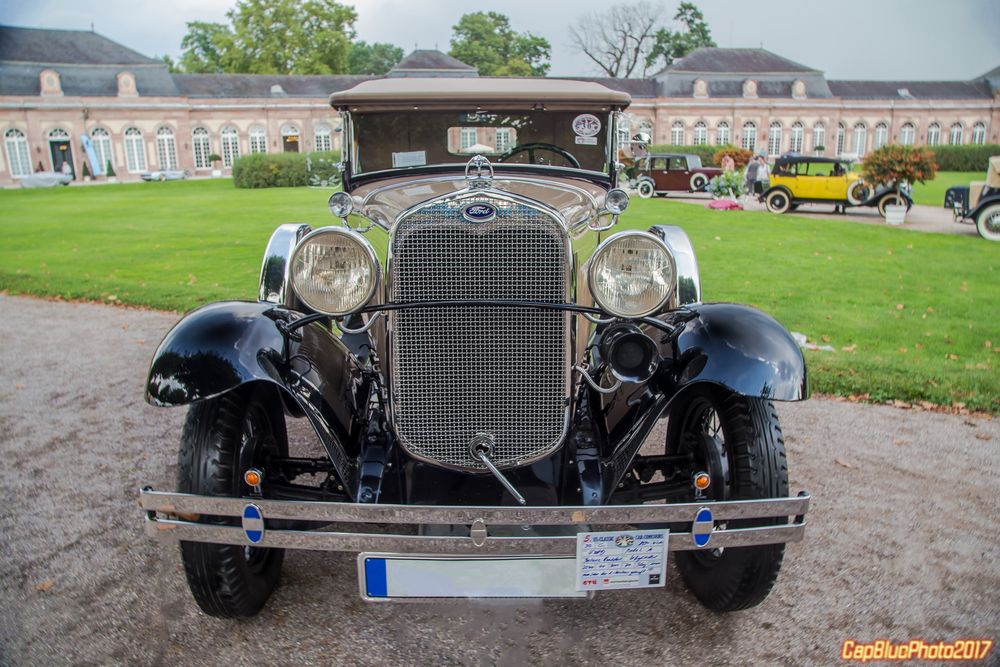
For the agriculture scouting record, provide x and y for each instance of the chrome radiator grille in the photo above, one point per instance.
(459, 371)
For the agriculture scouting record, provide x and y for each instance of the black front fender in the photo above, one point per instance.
(738, 347)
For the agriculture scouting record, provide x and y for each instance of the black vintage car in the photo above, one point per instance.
(979, 202)
(482, 358)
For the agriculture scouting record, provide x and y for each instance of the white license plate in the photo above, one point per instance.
(406, 576)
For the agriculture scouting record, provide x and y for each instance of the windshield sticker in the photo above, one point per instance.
(587, 141)
(409, 159)
(586, 125)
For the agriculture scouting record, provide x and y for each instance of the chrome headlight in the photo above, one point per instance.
(631, 274)
(341, 204)
(616, 201)
(334, 271)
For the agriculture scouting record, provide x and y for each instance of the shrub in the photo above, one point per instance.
(729, 184)
(214, 157)
(286, 170)
(741, 156)
(964, 158)
(893, 163)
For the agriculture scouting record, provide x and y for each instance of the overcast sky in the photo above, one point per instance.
(847, 39)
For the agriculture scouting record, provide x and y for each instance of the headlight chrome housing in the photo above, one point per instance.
(631, 274)
(341, 204)
(334, 271)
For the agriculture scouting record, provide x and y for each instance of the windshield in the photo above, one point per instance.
(393, 140)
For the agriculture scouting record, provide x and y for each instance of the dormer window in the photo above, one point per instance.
(749, 88)
(700, 88)
(126, 85)
(799, 89)
(50, 82)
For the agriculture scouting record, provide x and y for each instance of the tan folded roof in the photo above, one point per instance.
(460, 92)
(993, 173)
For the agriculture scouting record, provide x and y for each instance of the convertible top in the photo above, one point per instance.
(993, 172)
(461, 93)
(786, 160)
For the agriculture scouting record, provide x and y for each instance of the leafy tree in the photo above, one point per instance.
(206, 48)
(377, 58)
(170, 63)
(894, 164)
(620, 38)
(693, 33)
(487, 41)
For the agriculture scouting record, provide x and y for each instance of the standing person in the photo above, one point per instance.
(763, 176)
(750, 176)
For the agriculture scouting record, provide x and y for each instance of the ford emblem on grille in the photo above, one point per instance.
(479, 213)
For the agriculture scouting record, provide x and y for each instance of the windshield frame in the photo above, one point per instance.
(606, 179)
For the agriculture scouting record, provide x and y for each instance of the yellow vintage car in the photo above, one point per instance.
(797, 179)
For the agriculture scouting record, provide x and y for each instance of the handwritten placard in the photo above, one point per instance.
(622, 559)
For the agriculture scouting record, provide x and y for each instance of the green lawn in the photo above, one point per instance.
(932, 193)
(912, 316)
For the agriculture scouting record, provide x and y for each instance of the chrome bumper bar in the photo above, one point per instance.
(176, 516)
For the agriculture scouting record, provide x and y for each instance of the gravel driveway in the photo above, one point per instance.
(902, 539)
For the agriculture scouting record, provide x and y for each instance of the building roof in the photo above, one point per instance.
(22, 79)
(466, 91)
(903, 90)
(78, 47)
(431, 59)
(264, 85)
(736, 61)
(634, 87)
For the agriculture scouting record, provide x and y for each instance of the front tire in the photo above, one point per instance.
(777, 201)
(646, 190)
(988, 223)
(738, 441)
(222, 437)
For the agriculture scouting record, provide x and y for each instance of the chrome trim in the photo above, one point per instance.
(274, 276)
(570, 264)
(608, 242)
(687, 278)
(593, 383)
(360, 330)
(171, 527)
(374, 265)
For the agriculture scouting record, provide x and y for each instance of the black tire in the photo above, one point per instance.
(738, 441)
(777, 201)
(890, 199)
(221, 438)
(645, 189)
(698, 182)
(988, 222)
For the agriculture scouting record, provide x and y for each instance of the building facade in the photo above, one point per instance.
(62, 92)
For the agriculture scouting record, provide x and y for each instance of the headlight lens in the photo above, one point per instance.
(334, 271)
(341, 204)
(631, 274)
(616, 201)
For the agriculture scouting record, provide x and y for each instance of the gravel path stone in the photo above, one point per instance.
(902, 539)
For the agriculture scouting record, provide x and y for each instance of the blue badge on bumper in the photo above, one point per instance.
(253, 523)
(701, 531)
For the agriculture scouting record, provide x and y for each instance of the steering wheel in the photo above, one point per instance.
(539, 146)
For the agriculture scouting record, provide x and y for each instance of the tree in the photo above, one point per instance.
(693, 33)
(487, 41)
(170, 63)
(206, 48)
(619, 39)
(377, 58)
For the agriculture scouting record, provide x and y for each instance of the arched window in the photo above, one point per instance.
(841, 138)
(933, 134)
(202, 146)
(700, 134)
(166, 148)
(100, 139)
(18, 157)
(722, 133)
(290, 138)
(881, 135)
(258, 139)
(906, 134)
(677, 133)
(230, 145)
(798, 138)
(819, 137)
(955, 134)
(774, 139)
(322, 137)
(135, 150)
(860, 138)
(979, 133)
(58, 135)
(750, 136)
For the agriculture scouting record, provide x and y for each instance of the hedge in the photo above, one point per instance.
(286, 170)
(705, 152)
(964, 158)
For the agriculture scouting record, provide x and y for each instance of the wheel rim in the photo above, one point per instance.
(704, 438)
(257, 443)
(645, 189)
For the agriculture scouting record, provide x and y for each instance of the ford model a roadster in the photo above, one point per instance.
(483, 391)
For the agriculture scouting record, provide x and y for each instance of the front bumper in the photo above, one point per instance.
(179, 516)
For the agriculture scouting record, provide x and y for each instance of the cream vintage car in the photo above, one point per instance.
(483, 352)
